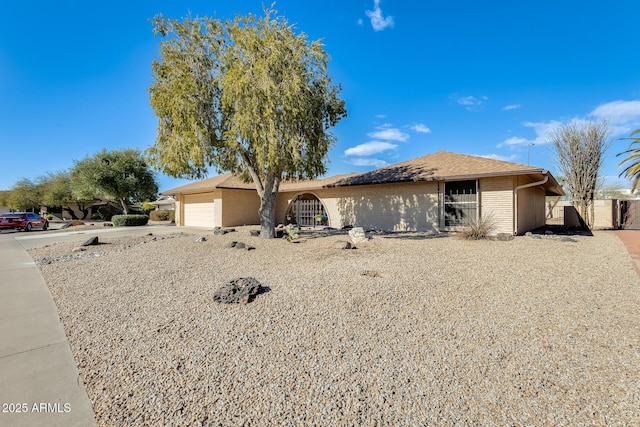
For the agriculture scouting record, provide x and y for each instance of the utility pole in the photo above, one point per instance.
(529, 152)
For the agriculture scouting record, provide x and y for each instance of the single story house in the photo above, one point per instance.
(164, 202)
(440, 191)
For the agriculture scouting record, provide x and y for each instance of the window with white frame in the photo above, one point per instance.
(460, 202)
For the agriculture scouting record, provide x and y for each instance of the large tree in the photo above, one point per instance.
(580, 148)
(632, 162)
(123, 175)
(56, 190)
(246, 96)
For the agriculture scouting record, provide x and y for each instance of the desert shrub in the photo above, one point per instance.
(77, 222)
(129, 220)
(160, 215)
(479, 229)
(292, 232)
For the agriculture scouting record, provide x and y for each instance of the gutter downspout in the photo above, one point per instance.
(515, 195)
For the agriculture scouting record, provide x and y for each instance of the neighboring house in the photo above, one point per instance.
(165, 202)
(441, 191)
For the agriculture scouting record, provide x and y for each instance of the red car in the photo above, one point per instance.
(23, 220)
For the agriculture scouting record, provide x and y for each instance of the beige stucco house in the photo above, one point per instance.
(440, 191)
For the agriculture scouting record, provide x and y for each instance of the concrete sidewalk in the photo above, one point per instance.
(39, 381)
(631, 239)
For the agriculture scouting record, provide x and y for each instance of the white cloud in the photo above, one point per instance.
(514, 140)
(378, 21)
(623, 116)
(511, 107)
(389, 134)
(420, 128)
(369, 162)
(541, 130)
(369, 148)
(471, 103)
(510, 158)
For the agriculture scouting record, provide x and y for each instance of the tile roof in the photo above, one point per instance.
(231, 181)
(442, 165)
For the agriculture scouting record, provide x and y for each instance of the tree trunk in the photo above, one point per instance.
(267, 214)
(125, 207)
(70, 212)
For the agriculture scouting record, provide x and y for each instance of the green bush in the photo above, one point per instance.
(162, 215)
(129, 220)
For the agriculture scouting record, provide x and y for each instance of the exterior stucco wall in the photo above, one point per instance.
(395, 207)
(179, 214)
(496, 201)
(531, 207)
(239, 207)
(605, 214)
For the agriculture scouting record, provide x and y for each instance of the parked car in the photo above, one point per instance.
(23, 220)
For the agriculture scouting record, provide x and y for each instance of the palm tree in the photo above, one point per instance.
(632, 169)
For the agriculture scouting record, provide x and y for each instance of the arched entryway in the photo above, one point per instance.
(306, 210)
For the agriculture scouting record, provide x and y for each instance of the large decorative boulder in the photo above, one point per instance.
(238, 291)
(358, 235)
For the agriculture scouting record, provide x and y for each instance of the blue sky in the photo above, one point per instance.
(481, 78)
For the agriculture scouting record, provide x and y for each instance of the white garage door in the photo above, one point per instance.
(198, 210)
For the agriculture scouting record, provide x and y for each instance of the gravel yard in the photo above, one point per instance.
(405, 330)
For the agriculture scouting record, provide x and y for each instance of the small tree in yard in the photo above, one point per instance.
(580, 147)
(121, 174)
(247, 96)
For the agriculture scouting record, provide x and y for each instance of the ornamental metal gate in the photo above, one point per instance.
(307, 211)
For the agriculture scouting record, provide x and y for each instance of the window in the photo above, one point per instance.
(460, 202)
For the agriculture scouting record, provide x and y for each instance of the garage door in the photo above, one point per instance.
(198, 210)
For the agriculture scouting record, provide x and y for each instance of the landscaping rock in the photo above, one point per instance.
(239, 245)
(567, 239)
(238, 291)
(254, 233)
(343, 244)
(504, 237)
(201, 239)
(91, 242)
(219, 231)
(358, 235)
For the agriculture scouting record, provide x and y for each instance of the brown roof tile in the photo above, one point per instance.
(442, 165)
(233, 182)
